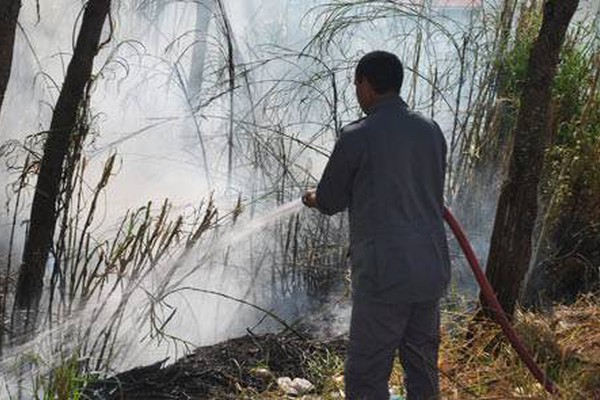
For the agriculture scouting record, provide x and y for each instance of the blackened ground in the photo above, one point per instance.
(220, 371)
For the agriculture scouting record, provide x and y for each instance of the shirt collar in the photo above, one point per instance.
(387, 102)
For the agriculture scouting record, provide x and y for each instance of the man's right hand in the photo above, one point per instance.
(309, 199)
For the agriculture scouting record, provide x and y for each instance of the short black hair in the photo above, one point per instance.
(383, 70)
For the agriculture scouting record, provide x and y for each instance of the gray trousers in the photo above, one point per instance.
(377, 332)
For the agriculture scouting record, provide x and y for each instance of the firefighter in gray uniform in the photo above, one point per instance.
(388, 169)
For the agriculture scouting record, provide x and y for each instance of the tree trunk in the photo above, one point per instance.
(510, 248)
(9, 12)
(44, 207)
(204, 13)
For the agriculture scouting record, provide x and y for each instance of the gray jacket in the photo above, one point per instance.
(388, 169)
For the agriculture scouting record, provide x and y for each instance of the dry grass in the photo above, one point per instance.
(566, 343)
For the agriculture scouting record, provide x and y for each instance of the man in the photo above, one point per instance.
(388, 169)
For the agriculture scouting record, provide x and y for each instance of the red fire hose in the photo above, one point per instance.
(492, 302)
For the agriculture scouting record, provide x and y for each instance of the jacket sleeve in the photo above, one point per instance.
(334, 191)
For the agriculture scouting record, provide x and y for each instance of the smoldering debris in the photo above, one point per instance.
(250, 364)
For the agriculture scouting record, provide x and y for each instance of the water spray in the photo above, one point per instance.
(490, 298)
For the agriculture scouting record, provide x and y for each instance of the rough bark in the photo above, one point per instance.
(510, 249)
(9, 13)
(44, 207)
